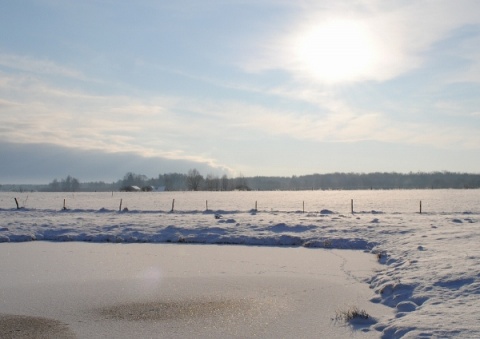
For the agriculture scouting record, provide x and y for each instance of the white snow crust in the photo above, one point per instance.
(430, 272)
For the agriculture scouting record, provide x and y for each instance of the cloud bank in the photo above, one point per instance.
(41, 163)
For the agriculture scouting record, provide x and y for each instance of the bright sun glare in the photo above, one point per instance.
(336, 51)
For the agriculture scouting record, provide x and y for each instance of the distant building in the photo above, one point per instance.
(131, 189)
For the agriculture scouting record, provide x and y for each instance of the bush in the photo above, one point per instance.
(351, 314)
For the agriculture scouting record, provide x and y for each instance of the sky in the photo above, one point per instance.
(96, 89)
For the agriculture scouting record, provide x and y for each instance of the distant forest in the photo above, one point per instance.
(194, 181)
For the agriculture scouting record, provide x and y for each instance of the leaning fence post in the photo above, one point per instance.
(120, 208)
(16, 202)
(173, 205)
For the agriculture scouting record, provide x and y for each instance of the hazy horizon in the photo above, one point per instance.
(375, 179)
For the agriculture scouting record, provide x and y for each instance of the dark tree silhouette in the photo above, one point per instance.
(194, 180)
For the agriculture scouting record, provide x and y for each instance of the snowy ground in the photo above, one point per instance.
(430, 275)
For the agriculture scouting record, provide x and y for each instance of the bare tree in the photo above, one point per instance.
(74, 185)
(212, 182)
(241, 183)
(68, 184)
(175, 181)
(224, 183)
(194, 180)
(54, 186)
(133, 179)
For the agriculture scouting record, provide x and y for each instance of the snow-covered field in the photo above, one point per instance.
(431, 271)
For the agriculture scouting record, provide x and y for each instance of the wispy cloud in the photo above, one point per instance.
(48, 114)
(38, 66)
(340, 124)
(155, 127)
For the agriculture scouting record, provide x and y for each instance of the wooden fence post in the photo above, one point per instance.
(351, 205)
(16, 202)
(420, 206)
(120, 208)
(173, 205)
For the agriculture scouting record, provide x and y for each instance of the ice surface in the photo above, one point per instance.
(430, 275)
(97, 290)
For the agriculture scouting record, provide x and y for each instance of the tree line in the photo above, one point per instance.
(191, 181)
(195, 181)
(69, 184)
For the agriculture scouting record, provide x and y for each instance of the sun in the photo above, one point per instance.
(336, 51)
